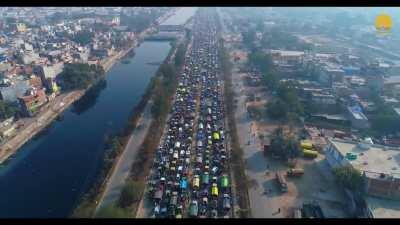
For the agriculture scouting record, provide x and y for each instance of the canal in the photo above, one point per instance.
(49, 174)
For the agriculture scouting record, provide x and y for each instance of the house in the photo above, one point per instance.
(31, 102)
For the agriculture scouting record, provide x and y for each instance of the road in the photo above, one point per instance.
(125, 161)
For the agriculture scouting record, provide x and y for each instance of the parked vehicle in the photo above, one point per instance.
(295, 172)
(310, 154)
(193, 209)
(281, 182)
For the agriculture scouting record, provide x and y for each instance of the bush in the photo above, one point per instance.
(113, 211)
(7, 109)
(349, 177)
(130, 193)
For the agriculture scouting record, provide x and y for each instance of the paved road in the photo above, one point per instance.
(122, 169)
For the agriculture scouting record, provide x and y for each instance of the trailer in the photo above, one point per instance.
(295, 172)
(282, 182)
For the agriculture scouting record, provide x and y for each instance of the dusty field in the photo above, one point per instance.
(316, 184)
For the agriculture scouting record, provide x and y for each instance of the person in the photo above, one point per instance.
(279, 210)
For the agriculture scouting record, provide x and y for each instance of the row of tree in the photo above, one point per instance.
(286, 105)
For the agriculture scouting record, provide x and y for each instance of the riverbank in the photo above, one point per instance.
(30, 127)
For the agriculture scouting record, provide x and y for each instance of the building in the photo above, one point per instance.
(49, 73)
(11, 90)
(357, 118)
(7, 131)
(379, 166)
(31, 103)
(326, 99)
(21, 27)
(287, 57)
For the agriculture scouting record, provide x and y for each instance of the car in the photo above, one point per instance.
(193, 209)
(214, 214)
(226, 203)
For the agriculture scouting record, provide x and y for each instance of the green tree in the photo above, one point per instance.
(277, 109)
(180, 55)
(130, 193)
(286, 147)
(113, 211)
(349, 177)
(83, 37)
(80, 76)
(7, 109)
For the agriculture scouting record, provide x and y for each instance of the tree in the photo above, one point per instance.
(180, 55)
(7, 110)
(286, 147)
(113, 211)
(277, 109)
(80, 76)
(130, 193)
(83, 37)
(349, 177)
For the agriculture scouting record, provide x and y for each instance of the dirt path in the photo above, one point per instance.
(125, 161)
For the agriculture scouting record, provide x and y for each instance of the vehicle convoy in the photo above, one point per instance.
(190, 176)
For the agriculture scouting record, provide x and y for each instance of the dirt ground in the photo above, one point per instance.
(316, 184)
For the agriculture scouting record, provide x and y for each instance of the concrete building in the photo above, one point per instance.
(287, 57)
(13, 89)
(326, 99)
(357, 118)
(380, 166)
(49, 73)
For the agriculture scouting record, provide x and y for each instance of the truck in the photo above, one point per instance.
(295, 172)
(282, 182)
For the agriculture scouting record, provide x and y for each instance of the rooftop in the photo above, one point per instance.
(383, 208)
(377, 159)
(288, 53)
(356, 113)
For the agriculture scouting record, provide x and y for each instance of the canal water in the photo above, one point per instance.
(181, 16)
(49, 174)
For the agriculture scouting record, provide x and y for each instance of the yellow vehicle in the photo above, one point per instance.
(216, 136)
(196, 181)
(306, 145)
(310, 154)
(214, 190)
